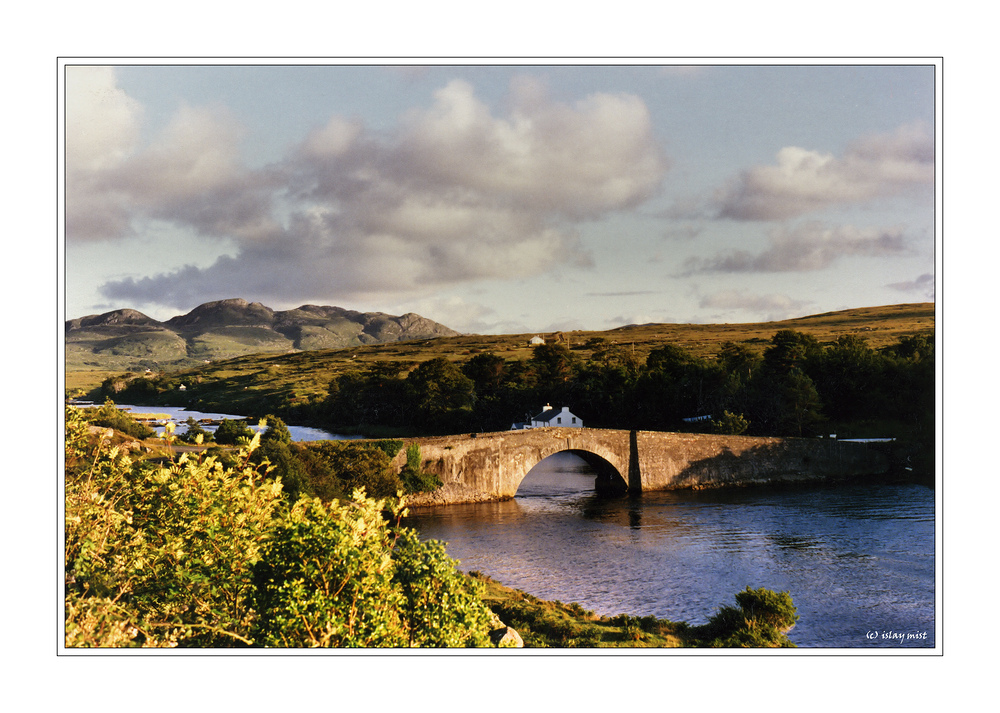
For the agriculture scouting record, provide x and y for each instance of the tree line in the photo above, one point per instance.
(795, 386)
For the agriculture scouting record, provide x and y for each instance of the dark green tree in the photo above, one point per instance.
(553, 364)
(335, 468)
(675, 385)
(487, 372)
(847, 376)
(440, 393)
(193, 431)
(230, 431)
(785, 401)
(278, 460)
(276, 431)
(606, 385)
(790, 349)
(375, 396)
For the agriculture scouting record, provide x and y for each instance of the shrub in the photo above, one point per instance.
(337, 468)
(231, 431)
(731, 424)
(337, 574)
(763, 619)
(772, 608)
(388, 446)
(194, 430)
(325, 579)
(110, 416)
(280, 462)
(276, 431)
(414, 479)
(159, 556)
(442, 607)
(198, 554)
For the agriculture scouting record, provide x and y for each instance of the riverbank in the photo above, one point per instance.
(761, 620)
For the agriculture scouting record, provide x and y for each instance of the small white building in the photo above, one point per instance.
(535, 341)
(551, 418)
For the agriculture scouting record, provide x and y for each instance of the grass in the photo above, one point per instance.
(552, 624)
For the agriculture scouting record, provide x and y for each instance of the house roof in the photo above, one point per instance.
(549, 414)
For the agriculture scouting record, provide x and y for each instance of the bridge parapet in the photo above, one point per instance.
(490, 466)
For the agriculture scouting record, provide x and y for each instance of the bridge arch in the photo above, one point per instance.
(609, 479)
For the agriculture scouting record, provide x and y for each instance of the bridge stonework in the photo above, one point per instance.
(490, 466)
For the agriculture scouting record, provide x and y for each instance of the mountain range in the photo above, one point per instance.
(127, 339)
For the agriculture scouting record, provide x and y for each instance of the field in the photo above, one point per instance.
(254, 381)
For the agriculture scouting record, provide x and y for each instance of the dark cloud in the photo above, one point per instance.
(923, 285)
(807, 247)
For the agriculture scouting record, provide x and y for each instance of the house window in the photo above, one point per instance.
(574, 419)
(559, 420)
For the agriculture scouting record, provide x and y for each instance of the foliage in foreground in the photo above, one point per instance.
(761, 621)
(335, 575)
(194, 553)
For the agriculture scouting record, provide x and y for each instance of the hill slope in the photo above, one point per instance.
(270, 382)
(128, 340)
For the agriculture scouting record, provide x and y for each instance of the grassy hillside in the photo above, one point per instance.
(89, 349)
(260, 382)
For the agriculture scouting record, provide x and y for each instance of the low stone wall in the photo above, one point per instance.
(680, 460)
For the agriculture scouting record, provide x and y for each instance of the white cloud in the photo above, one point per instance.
(768, 307)
(190, 175)
(804, 181)
(455, 193)
(102, 121)
(102, 128)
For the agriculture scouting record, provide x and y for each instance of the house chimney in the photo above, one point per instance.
(546, 407)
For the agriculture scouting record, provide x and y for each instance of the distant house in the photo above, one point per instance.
(535, 341)
(549, 418)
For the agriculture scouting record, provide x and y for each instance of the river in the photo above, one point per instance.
(858, 559)
(178, 415)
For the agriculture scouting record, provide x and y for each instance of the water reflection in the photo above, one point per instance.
(855, 558)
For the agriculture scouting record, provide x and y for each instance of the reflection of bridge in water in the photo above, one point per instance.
(491, 466)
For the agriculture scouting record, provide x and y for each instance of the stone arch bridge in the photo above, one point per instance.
(490, 466)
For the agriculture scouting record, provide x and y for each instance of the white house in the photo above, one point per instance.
(550, 417)
(535, 341)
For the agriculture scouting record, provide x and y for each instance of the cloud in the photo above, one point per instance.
(190, 175)
(624, 293)
(803, 181)
(771, 306)
(102, 121)
(455, 192)
(807, 247)
(923, 285)
(102, 129)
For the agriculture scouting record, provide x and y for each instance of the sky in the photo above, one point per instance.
(506, 198)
